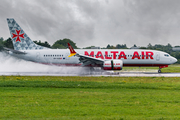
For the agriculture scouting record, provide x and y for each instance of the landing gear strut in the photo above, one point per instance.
(160, 67)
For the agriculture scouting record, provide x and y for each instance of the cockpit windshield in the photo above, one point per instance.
(167, 55)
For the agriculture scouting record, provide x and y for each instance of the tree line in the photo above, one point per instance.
(62, 44)
(59, 44)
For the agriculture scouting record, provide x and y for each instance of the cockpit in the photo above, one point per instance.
(167, 55)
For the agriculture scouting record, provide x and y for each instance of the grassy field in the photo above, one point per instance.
(175, 68)
(97, 98)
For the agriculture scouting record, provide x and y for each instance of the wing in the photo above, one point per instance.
(86, 60)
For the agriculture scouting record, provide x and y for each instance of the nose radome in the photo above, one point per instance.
(174, 60)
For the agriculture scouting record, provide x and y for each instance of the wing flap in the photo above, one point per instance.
(90, 60)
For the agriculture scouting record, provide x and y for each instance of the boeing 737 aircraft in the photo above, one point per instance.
(107, 59)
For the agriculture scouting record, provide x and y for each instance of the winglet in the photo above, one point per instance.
(72, 51)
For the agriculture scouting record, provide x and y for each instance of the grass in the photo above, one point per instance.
(175, 68)
(23, 97)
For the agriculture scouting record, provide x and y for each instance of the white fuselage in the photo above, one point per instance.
(130, 57)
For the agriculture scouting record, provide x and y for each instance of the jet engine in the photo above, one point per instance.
(113, 65)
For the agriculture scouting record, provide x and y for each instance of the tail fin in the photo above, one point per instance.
(20, 39)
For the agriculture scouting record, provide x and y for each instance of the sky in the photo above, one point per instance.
(95, 22)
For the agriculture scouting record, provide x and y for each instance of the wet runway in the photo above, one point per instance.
(115, 74)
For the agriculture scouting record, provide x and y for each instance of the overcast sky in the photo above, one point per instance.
(95, 22)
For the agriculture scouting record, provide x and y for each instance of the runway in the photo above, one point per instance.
(94, 74)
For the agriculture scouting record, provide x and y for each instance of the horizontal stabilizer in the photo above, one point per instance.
(14, 51)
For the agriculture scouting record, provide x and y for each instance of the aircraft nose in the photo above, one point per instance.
(174, 60)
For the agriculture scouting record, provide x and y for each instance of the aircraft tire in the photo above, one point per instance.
(159, 71)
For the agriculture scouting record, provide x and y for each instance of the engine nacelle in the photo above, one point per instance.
(113, 65)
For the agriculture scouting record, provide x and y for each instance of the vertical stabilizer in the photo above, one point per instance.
(20, 39)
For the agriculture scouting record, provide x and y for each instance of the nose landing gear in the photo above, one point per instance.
(160, 67)
(159, 71)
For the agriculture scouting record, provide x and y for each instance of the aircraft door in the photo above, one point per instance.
(38, 56)
(67, 54)
(157, 57)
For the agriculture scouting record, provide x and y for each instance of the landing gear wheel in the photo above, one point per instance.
(159, 71)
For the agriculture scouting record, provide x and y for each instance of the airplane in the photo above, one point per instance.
(107, 59)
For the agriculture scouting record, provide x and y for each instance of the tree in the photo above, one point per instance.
(59, 46)
(88, 47)
(45, 44)
(142, 48)
(8, 43)
(1, 38)
(169, 45)
(118, 46)
(108, 46)
(62, 44)
(1, 43)
(149, 46)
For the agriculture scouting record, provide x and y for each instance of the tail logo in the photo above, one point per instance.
(18, 35)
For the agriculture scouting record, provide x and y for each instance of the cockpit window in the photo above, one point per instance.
(166, 55)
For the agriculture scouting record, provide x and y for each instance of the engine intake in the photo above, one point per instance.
(113, 65)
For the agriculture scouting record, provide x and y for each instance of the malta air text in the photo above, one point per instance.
(120, 54)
